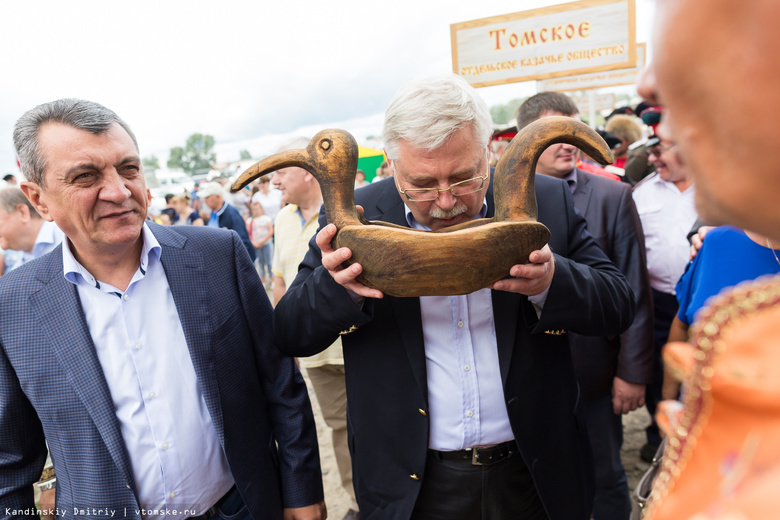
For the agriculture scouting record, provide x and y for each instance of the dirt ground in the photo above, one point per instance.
(338, 502)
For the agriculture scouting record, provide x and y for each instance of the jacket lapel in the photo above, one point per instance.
(390, 208)
(63, 324)
(506, 315)
(582, 193)
(504, 304)
(186, 274)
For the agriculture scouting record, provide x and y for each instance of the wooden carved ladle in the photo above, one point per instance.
(455, 260)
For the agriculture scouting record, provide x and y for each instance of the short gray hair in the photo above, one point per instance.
(543, 102)
(426, 112)
(10, 198)
(78, 113)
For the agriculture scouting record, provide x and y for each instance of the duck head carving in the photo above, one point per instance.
(455, 260)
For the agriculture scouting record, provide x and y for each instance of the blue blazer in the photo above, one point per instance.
(52, 386)
(231, 219)
(384, 359)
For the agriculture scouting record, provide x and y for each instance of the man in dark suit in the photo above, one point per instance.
(142, 354)
(612, 370)
(460, 407)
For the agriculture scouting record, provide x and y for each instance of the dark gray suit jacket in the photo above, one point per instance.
(613, 221)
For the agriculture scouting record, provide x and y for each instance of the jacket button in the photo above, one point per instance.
(422, 412)
(414, 476)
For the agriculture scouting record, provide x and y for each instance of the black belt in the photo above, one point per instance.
(480, 455)
(213, 509)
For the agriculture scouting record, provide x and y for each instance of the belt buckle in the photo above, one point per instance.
(475, 455)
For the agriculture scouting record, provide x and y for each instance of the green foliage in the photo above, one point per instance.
(151, 162)
(244, 154)
(502, 114)
(197, 154)
(176, 157)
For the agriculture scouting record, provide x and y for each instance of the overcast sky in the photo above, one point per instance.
(235, 69)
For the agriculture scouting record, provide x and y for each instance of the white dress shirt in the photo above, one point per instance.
(667, 216)
(175, 454)
(466, 400)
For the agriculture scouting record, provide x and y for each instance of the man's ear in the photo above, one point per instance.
(24, 211)
(34, 193)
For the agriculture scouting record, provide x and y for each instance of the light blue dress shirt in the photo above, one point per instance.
(465, 393)
(177, 460)
(49, 236)
(214, 218)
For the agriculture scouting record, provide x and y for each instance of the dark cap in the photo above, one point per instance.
(611, 139)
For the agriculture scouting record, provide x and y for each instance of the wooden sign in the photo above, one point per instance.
(561, 40)
(609, 78)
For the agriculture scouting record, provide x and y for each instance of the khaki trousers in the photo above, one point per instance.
(330, 388)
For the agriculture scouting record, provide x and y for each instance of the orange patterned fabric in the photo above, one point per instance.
(722, 460)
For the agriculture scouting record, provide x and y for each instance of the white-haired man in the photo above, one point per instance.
(460, 407)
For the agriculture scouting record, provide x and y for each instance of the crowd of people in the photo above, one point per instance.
(142, 355)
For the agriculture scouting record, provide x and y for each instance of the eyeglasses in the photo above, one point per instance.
(457, 189)
(658, 149)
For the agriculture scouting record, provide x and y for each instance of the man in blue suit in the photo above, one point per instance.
(142, 354)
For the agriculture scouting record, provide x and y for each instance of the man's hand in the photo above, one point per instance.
(332, 261)
(531, 278)
(46, 502)
(626, 397)
(316, 511)
(697, 240)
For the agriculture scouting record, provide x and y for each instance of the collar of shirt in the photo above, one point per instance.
(416, 225)
(221, 210)
(49, 236)
(73, 270)
(298, 212)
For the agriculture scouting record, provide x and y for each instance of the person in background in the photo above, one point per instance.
(184, 211)
(261, 232)
(728, 256)
(360, 179)
(612, 370)
(10, 179)
(628, 130)
(665, 201)
(23, 230)
(270, 198)
(497, 149)
(383, 172)
(295, 226)
(223, 215)
(239, 200)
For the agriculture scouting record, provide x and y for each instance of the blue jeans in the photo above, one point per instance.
(263, 261)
